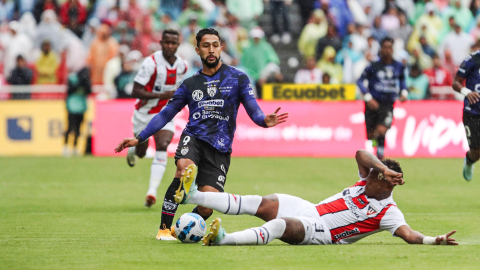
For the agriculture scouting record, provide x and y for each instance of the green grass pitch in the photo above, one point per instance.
(88, 213)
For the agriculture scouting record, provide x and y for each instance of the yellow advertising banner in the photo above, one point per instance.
(323, 92)
(36, 127)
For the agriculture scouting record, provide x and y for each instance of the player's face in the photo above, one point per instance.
(386, 51)
(209, 50)
(169, 45)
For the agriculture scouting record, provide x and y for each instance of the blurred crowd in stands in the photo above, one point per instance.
(43, 41)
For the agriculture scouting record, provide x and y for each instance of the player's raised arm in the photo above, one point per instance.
(413, 237)
(367, 97)
(253, 110)
(365, 161)
(174, 105)
(403, 86)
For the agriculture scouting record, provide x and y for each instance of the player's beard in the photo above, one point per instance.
(211, 64)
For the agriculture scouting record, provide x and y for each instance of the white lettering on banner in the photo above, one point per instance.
(289, 133)
(434, 134)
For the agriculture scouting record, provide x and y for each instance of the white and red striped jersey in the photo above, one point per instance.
(351, 216)
(158, 76)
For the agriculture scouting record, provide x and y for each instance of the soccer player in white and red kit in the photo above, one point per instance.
(156, 81)
(357, 212)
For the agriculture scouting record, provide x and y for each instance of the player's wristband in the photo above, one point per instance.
(465, 91)
(404, 93)
(139, 138)
(367, 97)
(428, 240)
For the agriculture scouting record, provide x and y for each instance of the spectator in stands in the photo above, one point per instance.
(16, 43)
(247, 11)
(73, 16)
(356, 36)
(377, 31)
(420, 58)
(124, 80)
(78, 89)
(427, 49)
(475, 7)
(475, 31)
(171, 7)
(438, 75)
(448, 63)
(89, 33)
(219, 12)
(463, 16)
(166, 22)
(43, 5)
(310, 74)
(280, 7)
(21, 74)
(372, 48)
(458, 42)
(390, 20)
(50, 29)
(326, 78)
(122, 34)
(24, 6)
(417, 84)
(113, 69)
(430, 19)
(331, 39)
(103, 48)
(6, 11)
(350, 59)
(194, 10)
(190, 31)
(47, 65)
(404, 31)
(144, 38)
(28, 25)
(327, 64)
(306, 7)
(311, 33)
(133, 15)
(340, 14)
(260, 59)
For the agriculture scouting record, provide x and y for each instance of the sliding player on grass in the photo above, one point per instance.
(469, 71)
(358, 211)
(213, 96)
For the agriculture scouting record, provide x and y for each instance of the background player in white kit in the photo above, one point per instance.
(154, 85)
(358, 211)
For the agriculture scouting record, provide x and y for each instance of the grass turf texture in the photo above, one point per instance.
(88, 213)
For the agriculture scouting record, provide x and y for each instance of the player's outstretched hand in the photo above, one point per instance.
(450, 241)
(473, 97)
(129, 142)
(393, 177)
(273, 119)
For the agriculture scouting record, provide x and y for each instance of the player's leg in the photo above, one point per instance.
(159, 164)
(384, 122)
(76, 131)
(370, 123)
(139, 122)
(380, 132)
(288, 230)
(188, 152)
(67, 132)
(472, 130)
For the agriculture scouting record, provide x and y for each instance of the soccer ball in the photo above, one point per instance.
(190, 228)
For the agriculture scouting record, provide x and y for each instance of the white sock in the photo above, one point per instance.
(227, 203)
(131, 150)
(159, 164)
(270, 231)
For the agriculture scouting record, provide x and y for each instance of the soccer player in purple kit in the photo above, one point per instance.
(386, 78)
(469, 70)
(213, 96)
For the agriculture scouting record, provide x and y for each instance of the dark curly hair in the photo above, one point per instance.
(206, 31)
(392, 165)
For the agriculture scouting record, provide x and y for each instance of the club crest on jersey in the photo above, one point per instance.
(212, 90)
(371, 211)
(197, 95)
(184, 150)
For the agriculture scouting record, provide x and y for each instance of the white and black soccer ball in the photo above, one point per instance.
(190, 228)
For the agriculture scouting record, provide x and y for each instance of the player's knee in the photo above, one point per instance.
(162, 145)
(268, 208)
(294, 231)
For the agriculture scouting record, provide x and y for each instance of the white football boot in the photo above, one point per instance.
(131, 157)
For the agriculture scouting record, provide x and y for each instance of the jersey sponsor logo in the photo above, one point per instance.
(221, 178)
(212, 90)
(308, 92)
(169, 206)
(184, 150)
(346, 233)
(214, 81)
(211, 103)
(196, 115)
(371, 210)
(197, 95)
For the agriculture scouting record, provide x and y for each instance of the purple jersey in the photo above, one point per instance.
(470, 70)
(213, 102)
